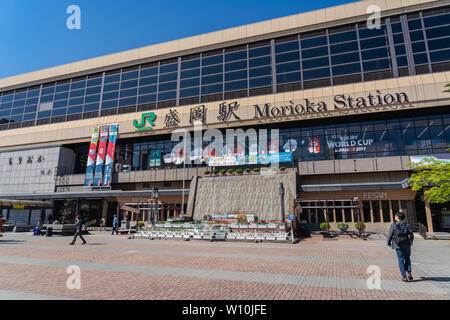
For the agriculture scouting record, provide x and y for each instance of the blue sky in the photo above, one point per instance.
(34, 34)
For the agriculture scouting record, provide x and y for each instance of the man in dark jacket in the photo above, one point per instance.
(401, 238)
(79, 229)
(115, 225)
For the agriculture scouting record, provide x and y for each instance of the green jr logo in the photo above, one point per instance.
(145, 117)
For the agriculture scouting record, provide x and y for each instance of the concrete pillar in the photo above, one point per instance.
(371, 212)
(429, 218)
(381, 210)
(334, 212)
(391, 213)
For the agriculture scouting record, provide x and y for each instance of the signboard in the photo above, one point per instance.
(145, 117)
(155, 158)
(91, 158)
(441, 157)
(101, 156)
(291, 217)
(250, 159)
(109, 161)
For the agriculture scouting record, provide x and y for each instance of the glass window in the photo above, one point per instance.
(344, 58)
(190, 64)
(400, 50)
(20, 103)
(169, 95)
(402, 61)
(167, 86)
(29, 116)
(110, 95)
(59, 112)
(147, 89)
(94, 98)
(91, 107)
(443, 55)
(420, 58)
(236, 65)
(212, 60)
(168, 68)
(260, 82)
(109, 104)
(17, 111)
(291, 56)
(438, 32)
(190, 73)
(190, 83)
(258, 52)
(396, 27)
(191, 92)
(398, 38)
(416, 35)
(259, 62)
(347, 69)
(111, 87)
(75, 110)
(287, 46)
(418, 46)
(375, 54)
(439, 44)
(76, 93)
(315, 63)
(130, 75)
(127, 102)
(215, 88)
(94, 82)
(168, 77)
(238, 55)
(128, 93)
(76, 101)
(60, 103)
(78, 85)
(316, 52)
(260, 72)
(149, 72)
(236, 75)
(314, 42)
(35, 93)
(344, 47)
(212, 79)
(93, 90)
(414, 24)
(147, 99)
(30, 109)
(46, 99)
(45, 91)
(316, 73)
(129, 84)
(147, 81)
(288, 67)
(376, 65)
(112, 78)
(436, 20)
(374, 42)
(368, 33)
(342, 37)
(236, 85)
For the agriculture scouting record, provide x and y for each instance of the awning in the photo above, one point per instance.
(25, 204)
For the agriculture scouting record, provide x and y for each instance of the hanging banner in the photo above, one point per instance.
(109, 160)
(91, 158)
(100, 156)
(250, 159)
(155, 158)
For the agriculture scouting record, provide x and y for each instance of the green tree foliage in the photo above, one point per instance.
(447, 86)
(434, 175)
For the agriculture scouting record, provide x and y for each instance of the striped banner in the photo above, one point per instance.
(109, 161)
(91, 158)
(101, 156)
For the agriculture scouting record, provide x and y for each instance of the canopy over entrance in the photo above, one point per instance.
(25, 204)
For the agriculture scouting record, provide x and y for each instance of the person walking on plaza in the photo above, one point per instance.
(401, 238)
(115, 225)
(78, 230)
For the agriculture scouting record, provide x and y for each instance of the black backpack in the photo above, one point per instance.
(402, 232)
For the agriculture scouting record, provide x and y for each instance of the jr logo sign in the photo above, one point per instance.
(145, 117)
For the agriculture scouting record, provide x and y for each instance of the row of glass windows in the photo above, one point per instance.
(409, 136)
(341, 55)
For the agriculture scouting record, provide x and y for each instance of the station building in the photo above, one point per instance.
(353, 104)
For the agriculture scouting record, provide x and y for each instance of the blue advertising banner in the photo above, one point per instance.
(250, 159)
(101, 156)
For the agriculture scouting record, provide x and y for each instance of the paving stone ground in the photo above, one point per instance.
(114, 267)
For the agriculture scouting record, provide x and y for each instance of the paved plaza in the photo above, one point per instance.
(114, 267)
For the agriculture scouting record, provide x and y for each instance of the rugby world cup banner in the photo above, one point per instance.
(109, 160)
(91, 158)
(101, 156)
(250, 159)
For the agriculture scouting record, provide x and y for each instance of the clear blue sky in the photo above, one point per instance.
(34, 35)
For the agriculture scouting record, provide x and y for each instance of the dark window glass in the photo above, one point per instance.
(74, 110)
(212, 60)
(17, 111)
(212, 69)
(94, 98)
(369, 33)
(19, 103)
(436, 20)
(91, 107)
(170, 95)
(420, 58)
(168, 77)
(192, 92)
(59, 112)
(147, 89)
(376, 65)
(75, 101)
(167, 86)
(259, 62)
(149, 72)
(402, 61)
(76, 93)
(288, 77)
(236, 85)
(59, 104)
(128, 93)
(212, 79)
(416, 35)
(291, 56)
(287, 67)
(168, 68)
(315, 63)
(418, 46)
(78, 85)
(347, 69)
(400, 50)
(109, 104)
(260, 82)
(127, 102)
(190, 64)
(46, 99)
(7, 98)
(190, 73)
(113, 78)
(316, 73)
(236, 75)
(314, 42)
(375, 54)
(373, 43)
(130, 75)
(344, 47)
(439, 44)
(147, 99)
(238, 55)
(29, 116)
(190, 83)
(344, 58)
(342, 37)
(260, 71)
(93, 90)
(287, 46)
(236, 65)
(129, 84)
(215, 88)
(398, 38)
(147, 81)
(110, 95)
(396, 27)
(45, 91)
(316, 52)
(17, 118)
(44, 114)
(414, 24)
(258, 52)
(442, 55)
(31, 109)
(34, 93)
(438, 32)
(111, 87)
(94, 82)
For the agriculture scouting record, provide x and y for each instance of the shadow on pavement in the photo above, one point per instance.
(11, 241)
(437, 279)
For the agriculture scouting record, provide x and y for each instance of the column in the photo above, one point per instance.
(391, 213)
(317, 215)
(353, 215)
(371, 212)
(334, 212)
(429, 218)
(381, 211)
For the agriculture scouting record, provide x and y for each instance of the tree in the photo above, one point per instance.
(447, 90)
(434, 175)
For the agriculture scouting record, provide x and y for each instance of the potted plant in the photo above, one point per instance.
(283, 170)
(207, 173)
(256, 171)
(222, 172)
(342, 226)
(361, 225)
(141, 225)
(215, 171)
(247, 171)
(326, 229)
(239, 171)
(230, 172)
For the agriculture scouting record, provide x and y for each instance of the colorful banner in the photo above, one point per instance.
(109, 161)
(250, 159)
(101, 156)
(91, 158)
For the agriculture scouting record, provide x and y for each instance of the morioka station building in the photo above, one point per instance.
(353, 105)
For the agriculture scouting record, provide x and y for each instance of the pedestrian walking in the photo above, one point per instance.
(78, 230)
(401, 238)
(115, 225)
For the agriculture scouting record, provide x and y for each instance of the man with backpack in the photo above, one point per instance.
(79, 229)
(115, 225)
(401, 238)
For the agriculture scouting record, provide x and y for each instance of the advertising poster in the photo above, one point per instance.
(109, 160)
(155, 158)
(91, 158)
(101, 156)
(250, 159)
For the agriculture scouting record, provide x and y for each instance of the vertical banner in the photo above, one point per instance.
(100, 156)
(109, 161)
(91, 158)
